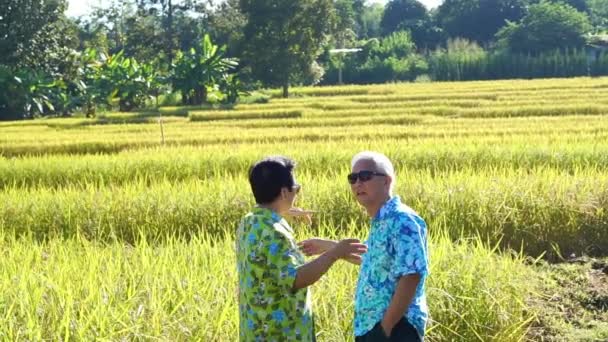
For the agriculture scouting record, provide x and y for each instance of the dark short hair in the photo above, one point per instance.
(268, 176)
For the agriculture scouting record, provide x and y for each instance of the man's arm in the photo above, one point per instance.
(316, 246)
(348, 249)
(313, 270)
(410, 265)
(402, 298)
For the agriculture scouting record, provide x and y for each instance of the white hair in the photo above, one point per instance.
(381, 163)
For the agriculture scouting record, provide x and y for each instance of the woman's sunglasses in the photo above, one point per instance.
(296, 188)
(363, 176)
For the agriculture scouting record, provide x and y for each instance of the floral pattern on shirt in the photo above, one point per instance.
(397, 246)
(267, 262)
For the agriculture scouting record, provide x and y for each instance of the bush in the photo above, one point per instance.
(390, 59)
(27, 93)
(447, 66)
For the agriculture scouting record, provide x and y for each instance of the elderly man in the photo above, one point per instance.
(390, 301)
(274, 301)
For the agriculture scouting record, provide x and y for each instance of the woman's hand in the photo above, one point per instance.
(301, 213)
(316, 246)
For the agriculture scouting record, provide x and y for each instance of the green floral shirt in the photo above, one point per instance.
(267, 262)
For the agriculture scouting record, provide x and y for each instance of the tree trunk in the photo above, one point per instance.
(286, 89)
(204, 95)
(126, 105)
(185, 98)
(169, 29)
(200, 95)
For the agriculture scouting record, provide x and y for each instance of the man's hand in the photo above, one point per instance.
(350, 249)
(385, 327)
(316, 246)
(402, 298)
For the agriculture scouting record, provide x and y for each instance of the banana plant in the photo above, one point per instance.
(232, 88)
(27, 93)
(200, 69)
(126, 79)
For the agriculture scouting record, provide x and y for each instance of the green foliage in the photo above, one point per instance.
(402, 14)
(233, 89)
(579, 5)
(397, 44)
(226, 25)
(598, 13)
(449, 66)
(343, 35)
(165, 14)
(370, 21)
(283, 38)
(391, 58)
(461, 60)
(35, 34)
(546, 26)
(27, 93)
(599, 66)
(412, 16)
(96, 79)
(205, 67)
(126, 79)
(478, 20)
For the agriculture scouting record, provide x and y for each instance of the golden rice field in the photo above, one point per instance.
(112, 230)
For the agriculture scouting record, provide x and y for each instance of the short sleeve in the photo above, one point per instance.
(410, 247)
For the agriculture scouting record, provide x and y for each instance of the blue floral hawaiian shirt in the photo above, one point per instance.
(397, 246)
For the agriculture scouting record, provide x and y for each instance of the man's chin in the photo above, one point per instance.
(363, 200)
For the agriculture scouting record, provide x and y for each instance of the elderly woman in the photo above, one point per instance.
(274, 300)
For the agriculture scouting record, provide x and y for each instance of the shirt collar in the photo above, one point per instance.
(389, 206)
(267, 213)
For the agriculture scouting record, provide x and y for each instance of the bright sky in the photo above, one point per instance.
(80, 7)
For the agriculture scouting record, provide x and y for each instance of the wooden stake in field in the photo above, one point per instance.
(162, 133)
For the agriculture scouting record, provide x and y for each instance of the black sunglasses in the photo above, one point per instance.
(363, 176)
(296, 188)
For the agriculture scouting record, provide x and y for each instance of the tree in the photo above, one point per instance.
(599, 14)
(547, 26)
(404, 14)
(411, 15)
(226, 24)
(170, 11)
(35, 34)
(151, 31)
(579, 5)
(478, 20)
(283, 38)
(111, 21)
(143, 39)
(371, 17)
(344, 31)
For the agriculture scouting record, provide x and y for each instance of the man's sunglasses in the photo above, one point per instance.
(363, 176)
